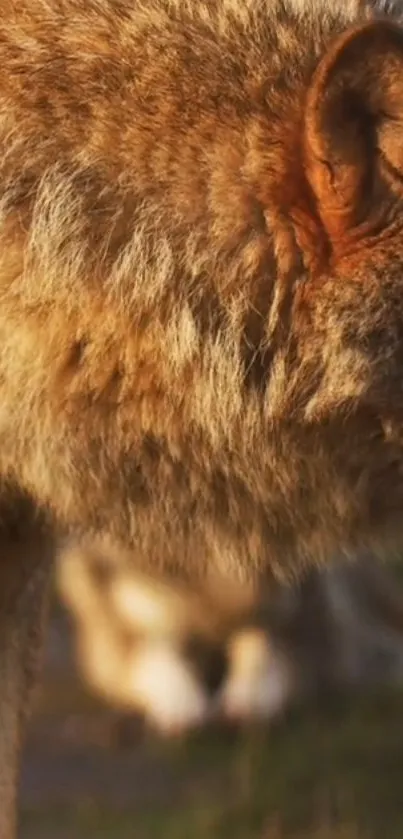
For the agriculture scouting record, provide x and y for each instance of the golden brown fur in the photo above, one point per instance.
(183, 377)
(201, 270)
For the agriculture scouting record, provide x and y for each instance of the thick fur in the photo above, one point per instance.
(201, 271)
(190, 357)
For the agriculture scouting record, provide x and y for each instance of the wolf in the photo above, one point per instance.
(201, 273)
(183, 657)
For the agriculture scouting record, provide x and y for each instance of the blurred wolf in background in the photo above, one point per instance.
(184, 656)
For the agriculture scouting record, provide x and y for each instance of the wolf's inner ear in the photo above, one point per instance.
(354, 126)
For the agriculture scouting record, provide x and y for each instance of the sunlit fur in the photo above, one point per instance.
(183, 361)
(201, 273)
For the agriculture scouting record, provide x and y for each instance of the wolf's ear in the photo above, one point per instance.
(354, 126)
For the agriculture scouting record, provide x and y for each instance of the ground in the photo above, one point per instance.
(333, 772)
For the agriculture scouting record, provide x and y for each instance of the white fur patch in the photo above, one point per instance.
(168, 692)
(142, 605)
(259, 684)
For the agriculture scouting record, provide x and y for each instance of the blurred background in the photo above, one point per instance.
(169, 713)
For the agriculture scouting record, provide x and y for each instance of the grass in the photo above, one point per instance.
(334, 773)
